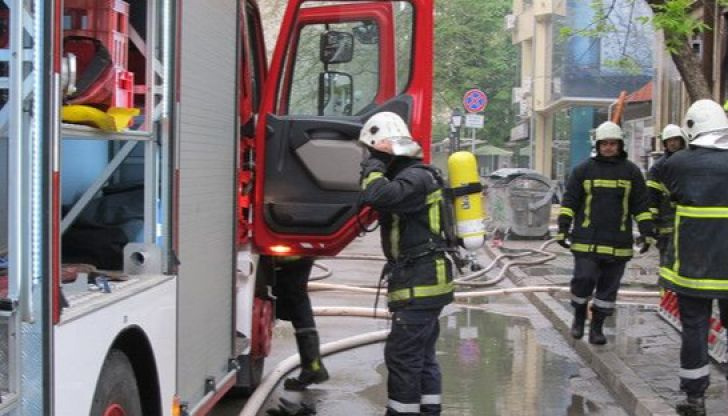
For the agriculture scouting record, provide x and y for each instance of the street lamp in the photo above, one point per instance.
(456, 120)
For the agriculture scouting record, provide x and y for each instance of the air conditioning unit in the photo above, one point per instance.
(510, 21)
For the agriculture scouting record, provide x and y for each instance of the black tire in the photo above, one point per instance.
(116, 392)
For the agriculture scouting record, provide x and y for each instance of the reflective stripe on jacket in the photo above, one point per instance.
(661, 207)
(698, 183)
(603, 196)
(408, 203)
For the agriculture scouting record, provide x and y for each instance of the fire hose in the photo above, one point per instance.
(269, 382)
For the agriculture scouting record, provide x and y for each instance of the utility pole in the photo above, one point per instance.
(456, 120)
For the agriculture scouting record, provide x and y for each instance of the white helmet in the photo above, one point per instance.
(704, 116)
(389, 126)
(608, 130)
(671, 131)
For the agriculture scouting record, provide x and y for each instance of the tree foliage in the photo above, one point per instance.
(679, 22)
(473, 50)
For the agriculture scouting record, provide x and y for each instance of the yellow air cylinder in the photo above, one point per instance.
(469, 215)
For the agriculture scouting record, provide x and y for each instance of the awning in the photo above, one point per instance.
(489, 150)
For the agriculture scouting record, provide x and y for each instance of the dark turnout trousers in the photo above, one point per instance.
(414, 381)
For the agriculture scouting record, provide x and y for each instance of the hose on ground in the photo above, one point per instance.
(325, 275)
(547, 256)
(258, 398)
(468, 280)
(482, 293)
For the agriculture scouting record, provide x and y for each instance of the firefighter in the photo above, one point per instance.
(406, 195)
(603, 195)
(293, 304)
(660, 204)
(697, 179)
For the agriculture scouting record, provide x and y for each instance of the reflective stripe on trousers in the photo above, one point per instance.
(695, 319)
(599, 276)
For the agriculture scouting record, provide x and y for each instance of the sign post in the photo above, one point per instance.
(474, 102)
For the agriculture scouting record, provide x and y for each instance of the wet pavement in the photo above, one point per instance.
(499, 356)
(641, 361)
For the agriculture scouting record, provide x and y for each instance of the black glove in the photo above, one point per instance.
(288, 408)
(563, 238)
(372, 164)
(644, 242)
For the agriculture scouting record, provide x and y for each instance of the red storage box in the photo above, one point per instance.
(105, 20)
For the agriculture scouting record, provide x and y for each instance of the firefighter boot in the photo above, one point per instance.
(577, 327)
(692, 406)
(596, 336)
(312, 369)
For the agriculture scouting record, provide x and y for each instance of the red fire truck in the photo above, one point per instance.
(149, 156)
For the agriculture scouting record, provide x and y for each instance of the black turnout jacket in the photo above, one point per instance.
(603, 195)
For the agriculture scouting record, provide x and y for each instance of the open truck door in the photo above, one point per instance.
(334, 66)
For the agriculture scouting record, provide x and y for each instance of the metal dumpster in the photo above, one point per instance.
(519, 203)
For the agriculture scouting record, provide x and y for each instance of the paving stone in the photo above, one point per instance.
(640, 363)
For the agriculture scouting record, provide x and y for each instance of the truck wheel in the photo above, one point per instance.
(117, 393)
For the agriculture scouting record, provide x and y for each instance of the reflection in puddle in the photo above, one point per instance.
(495, 365)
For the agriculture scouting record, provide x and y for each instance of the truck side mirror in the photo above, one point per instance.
(336, 47)
(335, 97)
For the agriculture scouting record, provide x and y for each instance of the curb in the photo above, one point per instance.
(636, 396)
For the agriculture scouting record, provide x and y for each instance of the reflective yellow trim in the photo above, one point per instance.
(693, 212)
(607, 183)
(600, 249)
(643, 216)
(566, 211)
(394, 236)
(560, 236)
(665, 230)
(421, 292)
(675, 240)
(434, 196)
(442, 287)
(654, 211)
(371, 178)
(693, 283)
(433, 200)
(702, 212)
(441, 272)
(658, 185)
(587, 209)
(627, 185)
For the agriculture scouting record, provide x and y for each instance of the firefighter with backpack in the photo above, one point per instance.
(408, 196)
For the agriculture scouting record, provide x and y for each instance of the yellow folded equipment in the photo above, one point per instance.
(115, 119)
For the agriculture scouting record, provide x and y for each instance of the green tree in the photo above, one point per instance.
(473, 50)
(680, 21)
(677, 19)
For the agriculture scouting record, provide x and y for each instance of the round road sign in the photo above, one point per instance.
(475, 101)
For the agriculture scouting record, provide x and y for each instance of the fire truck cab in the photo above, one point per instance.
(149, 155)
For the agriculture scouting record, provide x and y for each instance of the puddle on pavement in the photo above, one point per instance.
(496, 365)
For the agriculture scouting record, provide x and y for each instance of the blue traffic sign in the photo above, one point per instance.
(475, 101)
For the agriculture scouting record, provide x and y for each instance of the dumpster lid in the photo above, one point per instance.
(512, 172)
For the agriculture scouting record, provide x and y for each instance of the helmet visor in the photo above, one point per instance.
(405, 146)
